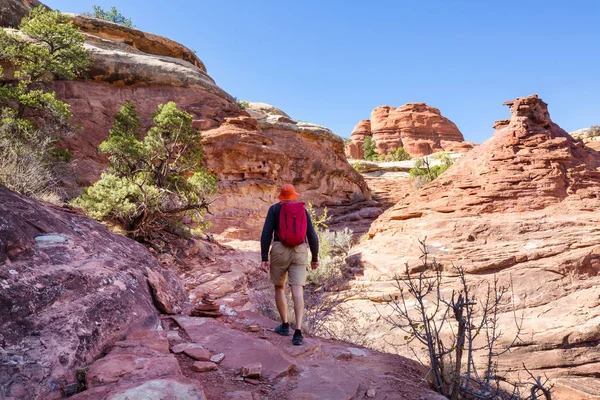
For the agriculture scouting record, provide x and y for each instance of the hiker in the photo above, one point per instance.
(289, 226)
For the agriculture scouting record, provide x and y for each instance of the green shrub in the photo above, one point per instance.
(33, 119)
(398, 155)
(154, 182)
(370, 149)
(242, 104)
(112, 15)
(423, 172)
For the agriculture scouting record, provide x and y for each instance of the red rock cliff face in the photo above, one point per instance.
(68, 288)
(354, 149)
(252, 155)
(522, 206)
(417, 127)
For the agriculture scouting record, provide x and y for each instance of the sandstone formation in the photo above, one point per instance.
(590, 136)
(522, 207)
(68, 288)
(252, 157)
(253, 152)
(13, 11)
(355, 149)
(418, 128)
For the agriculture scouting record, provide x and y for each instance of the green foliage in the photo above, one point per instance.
(53, 48)
(424, 172)
(370, 149)
(154, 182)
(242, 104)
(33, 119)
(112, 15)
(358, 167)
(398, 155)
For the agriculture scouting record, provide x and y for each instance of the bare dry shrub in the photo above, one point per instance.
(453, 328)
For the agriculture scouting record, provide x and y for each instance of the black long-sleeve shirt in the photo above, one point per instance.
(270, 232)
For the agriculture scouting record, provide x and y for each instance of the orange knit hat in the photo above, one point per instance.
(288, 192)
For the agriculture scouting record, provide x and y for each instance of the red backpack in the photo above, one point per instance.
(292, 224)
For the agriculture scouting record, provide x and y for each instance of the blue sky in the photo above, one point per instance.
(332, 62)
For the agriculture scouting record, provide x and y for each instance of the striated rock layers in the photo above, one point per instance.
(417, 127)
(68, 288)
(252, 156)
(523, 206)
(253, 152)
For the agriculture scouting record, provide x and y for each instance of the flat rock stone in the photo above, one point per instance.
(160, 389)
(203, 366)
(113, 368)
(217, 358)
(252, 370)
(197, 353)
(179, 348)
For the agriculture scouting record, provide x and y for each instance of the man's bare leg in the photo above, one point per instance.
(298, 297)
(281, 303)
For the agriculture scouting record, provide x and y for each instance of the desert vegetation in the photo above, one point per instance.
(32, 119)
(453, 327)
(371, 154)
(423, 172)
(112, 15)
(154, 182)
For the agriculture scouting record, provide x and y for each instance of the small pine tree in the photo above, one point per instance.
(154, 182)
(370, 149)
(112, 15)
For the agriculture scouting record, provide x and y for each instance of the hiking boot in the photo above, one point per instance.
(283, 329)
(298, 338)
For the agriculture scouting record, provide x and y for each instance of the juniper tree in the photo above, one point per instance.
(112, 15)
(155, 181)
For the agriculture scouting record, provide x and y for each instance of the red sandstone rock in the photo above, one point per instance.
(203, 366)
(197, 353)
(417, 127)
(69, 288)
(522, 206)
(167, 292)
(354, 149)
(13, 11)
(252, 370)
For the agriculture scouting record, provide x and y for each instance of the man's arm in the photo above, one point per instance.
(267, 235)
(313, 240)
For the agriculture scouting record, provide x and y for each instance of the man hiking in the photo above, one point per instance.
(289, 226)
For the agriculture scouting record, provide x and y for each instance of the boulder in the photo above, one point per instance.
(68, 289)
(521, 207)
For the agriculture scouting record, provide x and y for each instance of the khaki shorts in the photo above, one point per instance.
(292, 261)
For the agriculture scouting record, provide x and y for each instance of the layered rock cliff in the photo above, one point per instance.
(418, 128)
(252, 152)
(522, 207)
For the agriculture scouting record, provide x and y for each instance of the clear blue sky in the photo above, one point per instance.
(332, 62)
